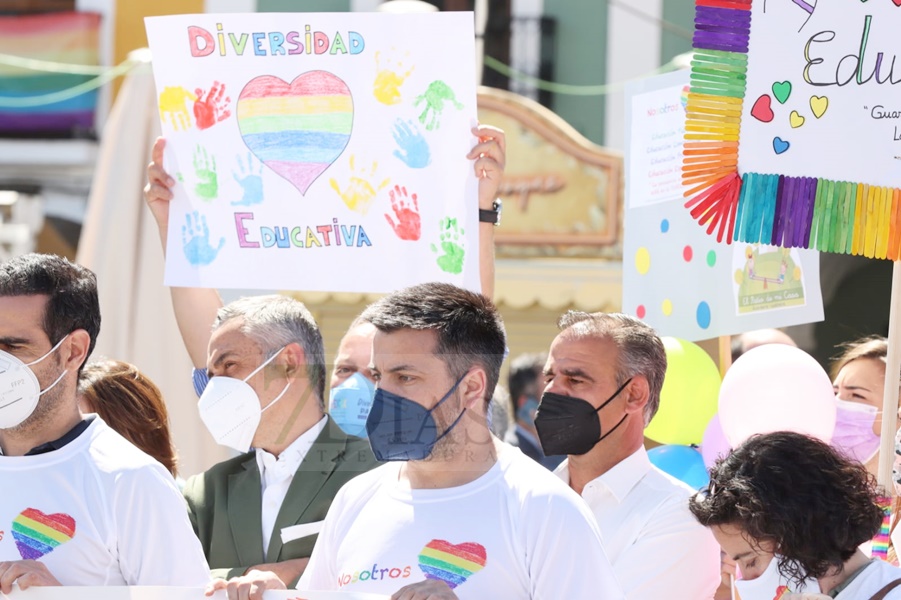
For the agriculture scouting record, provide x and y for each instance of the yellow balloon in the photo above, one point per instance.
(689, 397)
(739, 276)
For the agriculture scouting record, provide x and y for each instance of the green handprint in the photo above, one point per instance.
(436, 96)
(207, 186)
(451, 261)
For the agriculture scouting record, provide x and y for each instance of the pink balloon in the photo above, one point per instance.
(776, 388)
(714, 445)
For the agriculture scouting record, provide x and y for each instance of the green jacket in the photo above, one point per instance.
(225, 502)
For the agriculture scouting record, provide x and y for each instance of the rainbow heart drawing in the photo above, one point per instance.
(452, 563)
(37, 534)
(297, 129)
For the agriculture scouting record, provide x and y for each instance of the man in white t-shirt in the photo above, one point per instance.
(603, 379)
(455, 513)
(80, 505)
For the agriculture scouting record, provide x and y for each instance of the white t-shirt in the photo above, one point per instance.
(871, 580)
(98, 511)
(655, 544)
(516, 532)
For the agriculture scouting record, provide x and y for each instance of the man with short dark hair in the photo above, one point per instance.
(456, 513)
(83, 505)
(603, 379)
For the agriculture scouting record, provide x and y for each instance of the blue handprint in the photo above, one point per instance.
(413, 150)
(251, 182)
(195, 239)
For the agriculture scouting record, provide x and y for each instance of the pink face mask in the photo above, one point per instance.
(853, 434)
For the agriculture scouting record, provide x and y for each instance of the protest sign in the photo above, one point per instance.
(792, 136)
(675, 277)
(318, 151)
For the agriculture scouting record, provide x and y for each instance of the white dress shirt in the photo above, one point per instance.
(657, 548)
(276, 475)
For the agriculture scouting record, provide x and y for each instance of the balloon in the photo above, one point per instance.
(682, 462)
(715, 445)
(775, 387)
(689, 395)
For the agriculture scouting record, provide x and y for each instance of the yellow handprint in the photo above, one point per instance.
(386, 87)
(359, 193)
(172, 104)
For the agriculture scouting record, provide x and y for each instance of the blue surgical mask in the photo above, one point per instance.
(400, 429)
(526, 412)
(350, 402)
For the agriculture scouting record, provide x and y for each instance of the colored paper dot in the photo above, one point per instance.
(703, 315)
(667, 307)
(711, 258)
(640, 312)
(642, 260)
(664, 225)
(687, 253)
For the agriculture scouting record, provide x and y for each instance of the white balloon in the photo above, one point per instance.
(776, 387)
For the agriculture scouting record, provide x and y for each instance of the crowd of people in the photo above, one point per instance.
(407, 471)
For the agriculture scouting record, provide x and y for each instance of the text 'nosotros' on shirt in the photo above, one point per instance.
(516, 532)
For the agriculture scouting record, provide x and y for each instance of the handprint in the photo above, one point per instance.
(388, 80)
(451, 261)
(173, 106)
(251, 182)
(406, 210)
(435, 97)
(195, 239)
(359, 192)
(412, 149)
(207, 186)
(212, 109)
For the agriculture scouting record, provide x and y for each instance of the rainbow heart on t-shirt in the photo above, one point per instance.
(781, 592)
(452, 563)
(37, 534)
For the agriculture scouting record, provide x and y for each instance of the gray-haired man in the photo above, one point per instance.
(265, 398)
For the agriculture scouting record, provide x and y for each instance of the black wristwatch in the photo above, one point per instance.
(492, 216)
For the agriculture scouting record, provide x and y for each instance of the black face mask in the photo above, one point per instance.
(568, 425)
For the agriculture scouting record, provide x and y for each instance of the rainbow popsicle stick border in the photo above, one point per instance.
(881, 541)
(792, 212)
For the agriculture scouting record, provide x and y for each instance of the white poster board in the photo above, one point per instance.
(166, 593)
(822, 100)
(318, 151)
(676, 277)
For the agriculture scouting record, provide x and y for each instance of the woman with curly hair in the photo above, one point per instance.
(789, 499)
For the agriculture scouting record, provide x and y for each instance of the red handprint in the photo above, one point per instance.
(213, 108)
(406, 211)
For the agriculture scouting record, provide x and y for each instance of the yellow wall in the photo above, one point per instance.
(129, 32)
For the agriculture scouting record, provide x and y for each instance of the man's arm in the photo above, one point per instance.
(154, 537)
(195, 308)
(562, 536)
(489, 156)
